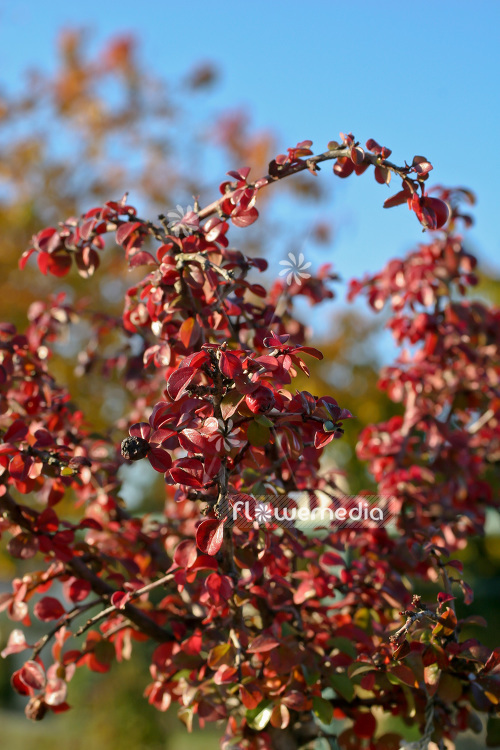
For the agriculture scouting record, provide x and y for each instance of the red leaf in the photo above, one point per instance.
(15, 644)
(245, 218)
(17, 431)
(123, 232)
(47, 521)
(421, 165)
(43, 262)
(161, 436)
(25, 257)
(357, 155)
(468, 592)
(372, 145)
(185, 554)
(119, 599)
(187, 471)
(189, 332)
(76, 589)
(230, 365)
(87, 262)
(382, 176)
(179, 381)
(142, 258)
(210, 535)
(19, 685)
(23, 546)
(365, 725)
(191, 440)
(100, 654)
(398, 199)
(331, 558)
(323, 438)
(48, 609)
(19, 467)
(225, 674)
(140, 429)
(402, 650)
(241, 174)
(262, 643)
(296, 701)
(309, 350)
(32, 675)
(87, 228)
(443, 597)
(405, 674)
(250, 696)
(159, 459)
(343, 167)
(58, 264)
(55, 693)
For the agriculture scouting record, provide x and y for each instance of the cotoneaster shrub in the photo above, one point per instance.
(272, 631)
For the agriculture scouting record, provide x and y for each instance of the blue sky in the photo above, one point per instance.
(421, 78)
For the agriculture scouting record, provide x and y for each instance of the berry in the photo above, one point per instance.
(135, 448)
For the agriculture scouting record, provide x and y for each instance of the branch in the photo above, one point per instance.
(412, 618)
(205, 263)
(134, 595)
(99, 586)
(78, 610)
(139, 618)
(300, 166)
(484, 419)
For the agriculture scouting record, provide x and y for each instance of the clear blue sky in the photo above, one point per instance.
(421, 78)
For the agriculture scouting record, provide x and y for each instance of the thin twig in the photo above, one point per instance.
(484, 419)
(113, 607)
(75, 612)
(290, 169)
(412, 618)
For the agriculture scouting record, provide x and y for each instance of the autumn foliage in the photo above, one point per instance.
(282, 635)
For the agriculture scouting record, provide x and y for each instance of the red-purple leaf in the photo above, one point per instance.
(245, 218)
(15, 644)
(141, 258)
(16, 432)
(119, 599)
(187, 471)
(55, 692)
(262, 643)
(32, 675)
(189, 332)
(141, 430)
(179, 381)
(48, 609)
(210, 535)
(159, 459)
(19, 685)
(23, 546)
(443, 597)
(397, 200)
(125, 230)
(25, 257)
(185, 554)
(230, 365)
